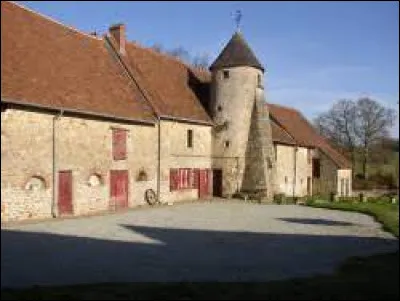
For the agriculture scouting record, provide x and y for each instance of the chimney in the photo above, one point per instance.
(117, 31)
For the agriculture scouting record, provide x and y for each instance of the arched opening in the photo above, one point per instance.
(35, 183)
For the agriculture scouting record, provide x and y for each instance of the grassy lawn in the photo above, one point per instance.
(373, 278)
(385, 213)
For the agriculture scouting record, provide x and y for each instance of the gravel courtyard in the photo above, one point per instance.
(210, 241)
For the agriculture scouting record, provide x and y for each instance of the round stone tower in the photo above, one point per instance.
(242, 143)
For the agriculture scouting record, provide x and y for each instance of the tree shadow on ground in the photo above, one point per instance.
(174, 255)
(316, 221)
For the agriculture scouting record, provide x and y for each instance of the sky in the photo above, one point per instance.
(314, 53)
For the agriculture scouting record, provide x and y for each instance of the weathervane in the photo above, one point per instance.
(238, 17)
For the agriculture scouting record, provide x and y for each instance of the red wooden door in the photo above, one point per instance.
(65, 192)
(119, 189)
(204, 183)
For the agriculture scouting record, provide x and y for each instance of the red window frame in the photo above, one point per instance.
(119, 144)
(182, 178)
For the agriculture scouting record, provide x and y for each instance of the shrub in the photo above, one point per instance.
(279, 198)
(349, 199)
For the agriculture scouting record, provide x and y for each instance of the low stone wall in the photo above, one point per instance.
(376, 192)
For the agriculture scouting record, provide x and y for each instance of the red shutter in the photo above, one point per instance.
(183, 177)
(196, 178)
(210, 181)
(119, 144)
(190, 171)
(173, 179)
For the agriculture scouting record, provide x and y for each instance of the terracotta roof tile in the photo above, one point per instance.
(48, 64)
(236, 53)
(176, 89)
(280, 135)
(304, 133)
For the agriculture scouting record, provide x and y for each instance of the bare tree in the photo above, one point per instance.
(373, 122)
(180, 53)
(356, 124)
(201, 60)
(338, 125)
(157, 47)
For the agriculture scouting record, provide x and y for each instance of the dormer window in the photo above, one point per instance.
(226, 74)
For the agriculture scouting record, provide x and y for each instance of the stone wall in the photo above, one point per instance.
(26, 152)
(176, 154)
(287, 178)
(344, 178)
(231, 106)
(327, 183)
(83, 146)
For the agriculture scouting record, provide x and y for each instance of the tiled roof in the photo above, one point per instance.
(48, 64)
(176, 90)
(304, 133)
(280, 135)
(236, 53)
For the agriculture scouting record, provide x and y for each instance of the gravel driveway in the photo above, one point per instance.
(219, 241)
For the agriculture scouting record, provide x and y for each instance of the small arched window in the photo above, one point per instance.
(94, 180)
(35, 183)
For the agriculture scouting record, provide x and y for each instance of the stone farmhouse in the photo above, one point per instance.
(97, 123)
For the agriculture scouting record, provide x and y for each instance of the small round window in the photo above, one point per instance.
(35, 183)
(94, 180)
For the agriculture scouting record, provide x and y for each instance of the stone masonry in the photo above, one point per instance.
(83, 146)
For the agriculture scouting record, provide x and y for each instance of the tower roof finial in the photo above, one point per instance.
(238, 17)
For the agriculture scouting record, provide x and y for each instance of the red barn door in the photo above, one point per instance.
(204, 183)
(65, 193)
(119, 189)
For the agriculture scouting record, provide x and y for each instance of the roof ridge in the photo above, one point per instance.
(325, 141)
(170, 57)
(274, 120)
(161, 54)
(284, 107)
(53, 20)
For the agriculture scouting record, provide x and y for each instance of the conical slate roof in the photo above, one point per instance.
(236, 53)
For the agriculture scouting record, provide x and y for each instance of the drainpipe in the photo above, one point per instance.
(159, 160)
(54, 206)
(295, 171)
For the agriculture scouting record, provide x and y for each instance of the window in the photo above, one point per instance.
(316, 168)
(259, 81)
(119, 144)
(286, 180)
(35, 183)
(276, 152)
(182, 178)
(269, 162)
(219, 108)
(189, 138)
(226, 74)
(227, 143)
(94, 180)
